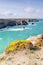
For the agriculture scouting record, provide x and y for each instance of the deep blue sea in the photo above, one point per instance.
(21, 32)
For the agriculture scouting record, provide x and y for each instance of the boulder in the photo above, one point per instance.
(18, 23)
(36, 40)
(40, 36)
(24, 23)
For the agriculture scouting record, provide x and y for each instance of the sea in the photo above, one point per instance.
(20, 32)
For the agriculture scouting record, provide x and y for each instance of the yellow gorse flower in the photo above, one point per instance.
(17, 44)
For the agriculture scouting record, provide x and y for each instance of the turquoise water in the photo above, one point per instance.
(10, 34)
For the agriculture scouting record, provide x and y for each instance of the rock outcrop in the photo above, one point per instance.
(36, 40)
(10, 22)
(13, 22)
(2, 25)
(33, 20)
(32, 42)
(20, 52)
(18, 45)
(24, 22)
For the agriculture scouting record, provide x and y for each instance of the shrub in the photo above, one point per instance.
(18, 45)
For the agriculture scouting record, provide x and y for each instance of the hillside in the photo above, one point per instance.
(24, 52)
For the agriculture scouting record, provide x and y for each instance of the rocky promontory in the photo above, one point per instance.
(24, 52)
(13, 22)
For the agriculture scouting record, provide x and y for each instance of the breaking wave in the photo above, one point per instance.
(15, 29)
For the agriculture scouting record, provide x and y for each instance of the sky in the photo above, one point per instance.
(21, 8)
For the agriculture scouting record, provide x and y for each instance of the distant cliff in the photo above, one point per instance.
(13, 22)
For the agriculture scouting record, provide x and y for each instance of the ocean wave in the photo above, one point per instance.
(34, 24)
(15, 29)
(30, 24)
(1, 38)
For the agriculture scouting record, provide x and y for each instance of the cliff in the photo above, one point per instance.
(13, 22)
(24, 52)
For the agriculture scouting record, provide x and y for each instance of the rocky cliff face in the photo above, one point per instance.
(23, 52)
(13, 22)
(36, 40)
(5, 23)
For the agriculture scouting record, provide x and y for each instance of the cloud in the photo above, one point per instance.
(33, 10)
(7, 14)
(39, 10)
(29, 10)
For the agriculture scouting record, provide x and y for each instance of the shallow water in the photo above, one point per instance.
(10, 34)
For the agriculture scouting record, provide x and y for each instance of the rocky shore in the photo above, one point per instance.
(24, 52)
(13, 22)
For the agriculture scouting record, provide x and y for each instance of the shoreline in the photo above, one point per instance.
(28, 53)
(16, 21)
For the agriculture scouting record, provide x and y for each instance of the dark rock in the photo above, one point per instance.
(18, 23)
(11, 23)
(33, 20)
(32, 23)
(24, 23)
(2, 25)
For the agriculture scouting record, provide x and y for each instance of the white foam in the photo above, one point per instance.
(29, 24)
(14, 29)
(1, 38)
(17, 29)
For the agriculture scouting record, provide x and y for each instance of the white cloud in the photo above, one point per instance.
(29, 10)
(39, 10)
(7, 14)
(32, 10)
(26, 12)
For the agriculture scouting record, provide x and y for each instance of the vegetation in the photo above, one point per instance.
(18, 45)
(21, 44)
(38, 44)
